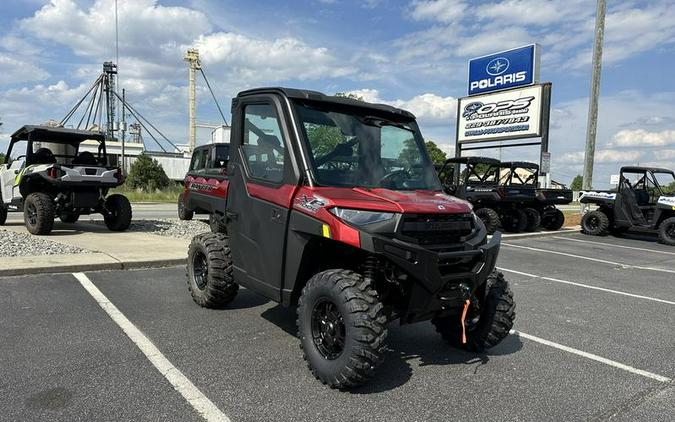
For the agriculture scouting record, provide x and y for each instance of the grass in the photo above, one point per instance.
(169, 195)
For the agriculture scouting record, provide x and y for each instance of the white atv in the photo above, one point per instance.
(51, 173)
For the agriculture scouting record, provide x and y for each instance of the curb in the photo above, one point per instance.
(97, 266)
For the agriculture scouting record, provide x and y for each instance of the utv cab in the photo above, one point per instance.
(644, 199)
(49, 175)
(334, 207)
(477, 181)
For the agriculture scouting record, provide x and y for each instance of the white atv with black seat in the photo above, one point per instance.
(49, 175)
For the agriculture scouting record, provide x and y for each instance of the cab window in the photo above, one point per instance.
(263, 143)
(219, 159)
(199, 159)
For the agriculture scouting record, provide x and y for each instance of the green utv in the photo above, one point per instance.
(47, 175)
(644, 199)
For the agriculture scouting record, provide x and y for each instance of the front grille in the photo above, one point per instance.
(436, 229)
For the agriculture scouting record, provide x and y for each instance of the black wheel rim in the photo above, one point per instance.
(32, 214)
(201, 270)
(328, 329)
(592, 222)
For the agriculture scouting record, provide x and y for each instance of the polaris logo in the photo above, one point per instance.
(497, 66)
(498, 81)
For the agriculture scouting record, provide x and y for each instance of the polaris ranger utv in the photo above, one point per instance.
(48, 177)
(478, 183)
(648, 202)
(334, 206)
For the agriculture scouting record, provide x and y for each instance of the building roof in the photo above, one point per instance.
(317, 96)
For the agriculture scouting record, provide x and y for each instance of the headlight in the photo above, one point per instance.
(359, 217)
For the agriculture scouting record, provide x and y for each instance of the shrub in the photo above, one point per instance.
(147, 174)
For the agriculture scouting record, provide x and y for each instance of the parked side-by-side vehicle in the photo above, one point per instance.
(333, 206)
(48, 176)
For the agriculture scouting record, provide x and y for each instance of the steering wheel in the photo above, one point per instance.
(395, 176)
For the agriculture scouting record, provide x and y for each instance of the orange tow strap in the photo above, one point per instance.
(464, 311)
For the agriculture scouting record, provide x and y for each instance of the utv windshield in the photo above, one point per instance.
(666, 181)
(353, 148)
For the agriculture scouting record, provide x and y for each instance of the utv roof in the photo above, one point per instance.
(520, 164)
(57, 133)
(638, 169)
(473, 160)
(304, 94)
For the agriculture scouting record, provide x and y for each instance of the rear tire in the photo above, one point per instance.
(38, 213)
(595, 223)
(491, 322)
(69, 217)
(490, 219)
(209, 269)
(667, 231)
(342, 328)
(184, 213)
(119, 213)
(514, 220)
(533, 219)
(553, 220)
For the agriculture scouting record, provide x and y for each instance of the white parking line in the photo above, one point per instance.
(587, 286)
(613, 245)
(592, 356)
(180, 382)
(603, 261)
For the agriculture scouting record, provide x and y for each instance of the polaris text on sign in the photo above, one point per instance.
(504, 70)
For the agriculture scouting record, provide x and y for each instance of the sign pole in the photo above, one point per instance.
(545, 119)
(595, 93)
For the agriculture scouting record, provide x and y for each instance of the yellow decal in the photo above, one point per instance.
(326, 231)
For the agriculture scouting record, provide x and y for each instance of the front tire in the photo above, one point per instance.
(595, 223)
(38, 213)
(490, 219)
(533, 219)
(667, 231)
(118, 217)
(341, 326)
(209, 269)
(487, 323)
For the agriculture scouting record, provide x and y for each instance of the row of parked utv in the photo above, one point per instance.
(505, 194)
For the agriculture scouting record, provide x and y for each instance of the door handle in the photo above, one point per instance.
(232, 215)
(276, 215)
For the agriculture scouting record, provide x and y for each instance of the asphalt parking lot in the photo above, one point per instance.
(594, 340)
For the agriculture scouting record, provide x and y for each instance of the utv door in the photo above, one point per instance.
(262, 183)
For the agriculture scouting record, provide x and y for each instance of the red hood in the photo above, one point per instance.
(423, 202)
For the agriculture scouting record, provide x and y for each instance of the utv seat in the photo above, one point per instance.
(85, 158)
(44, 156)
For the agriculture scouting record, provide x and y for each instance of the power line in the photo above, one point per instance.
(213, 95)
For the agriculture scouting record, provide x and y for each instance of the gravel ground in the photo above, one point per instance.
(171, 227)
(19, 244)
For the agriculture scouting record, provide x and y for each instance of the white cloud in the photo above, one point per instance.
(13, 71)
(428, 108)
(602, 156)
(534, 12)
(438, 10)
(643, 138)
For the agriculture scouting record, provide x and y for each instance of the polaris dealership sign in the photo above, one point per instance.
(504, 70)
(513, 114)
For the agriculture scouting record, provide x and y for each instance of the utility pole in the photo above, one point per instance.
(124, 131)
(592, 127)
(192, 57)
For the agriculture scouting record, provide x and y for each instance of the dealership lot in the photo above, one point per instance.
(596, 318)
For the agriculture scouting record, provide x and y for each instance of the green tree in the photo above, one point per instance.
(147, 174)
(436, 154)
(2, 158)
(349, 95)
(577, 182)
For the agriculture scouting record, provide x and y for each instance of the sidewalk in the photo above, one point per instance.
(110, 250)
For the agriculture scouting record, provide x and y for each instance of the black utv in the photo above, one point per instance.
(644, 199)
(334, 208)
(478, 183)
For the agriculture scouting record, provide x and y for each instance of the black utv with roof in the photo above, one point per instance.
(333, 207)
(644, 199)
(478, 183)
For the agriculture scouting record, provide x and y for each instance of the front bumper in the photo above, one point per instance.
(441, 281)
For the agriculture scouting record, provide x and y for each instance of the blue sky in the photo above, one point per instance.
(412, 54)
